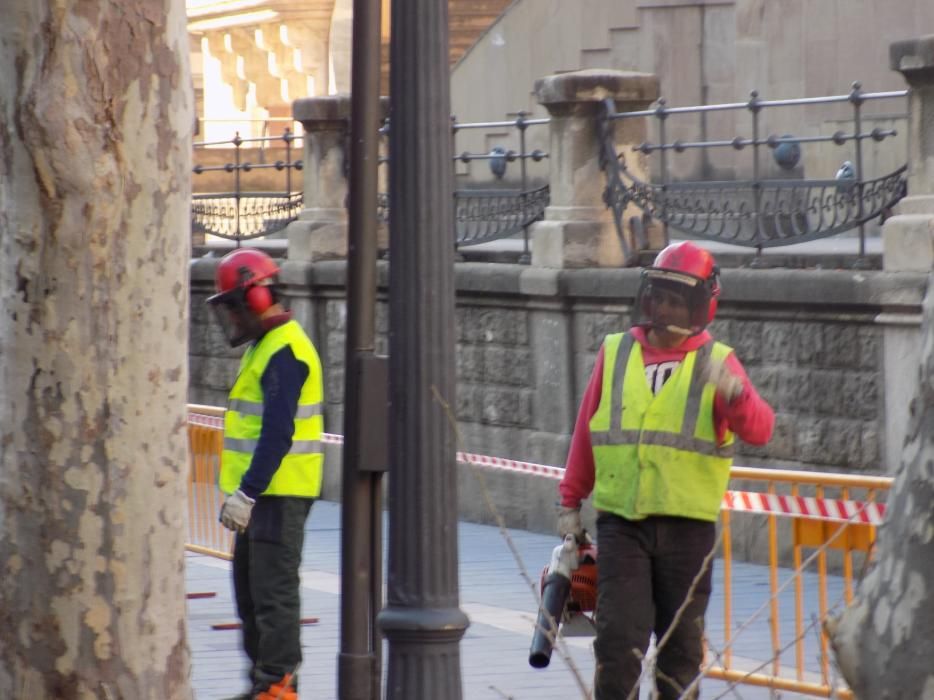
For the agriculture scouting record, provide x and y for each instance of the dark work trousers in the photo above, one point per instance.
(644, 571)
(266, 565)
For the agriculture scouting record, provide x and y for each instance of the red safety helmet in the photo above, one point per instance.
(243, 281)
(683, 273)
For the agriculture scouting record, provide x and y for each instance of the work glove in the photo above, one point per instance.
(728, 385)
(569, 523)
(235, 513)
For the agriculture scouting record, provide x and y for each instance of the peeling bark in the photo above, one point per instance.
(95, 138)
(884, 641)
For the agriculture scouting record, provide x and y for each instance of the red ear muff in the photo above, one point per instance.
(258, 298)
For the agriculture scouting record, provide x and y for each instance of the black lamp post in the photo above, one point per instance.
(422, 620)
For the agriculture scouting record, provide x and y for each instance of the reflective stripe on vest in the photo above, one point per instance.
(653, 437)
(299, 447)
(300, 472)
(255, 408)
(658, 454)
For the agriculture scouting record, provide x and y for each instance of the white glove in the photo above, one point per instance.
(728, 385)
(569, 523)
(235, 513)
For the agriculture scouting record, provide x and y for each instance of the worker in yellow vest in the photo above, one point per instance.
(653, 442)
(271, 465)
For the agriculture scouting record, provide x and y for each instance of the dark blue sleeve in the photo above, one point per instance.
(282, 385)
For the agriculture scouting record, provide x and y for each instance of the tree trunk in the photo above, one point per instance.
(95, 137)
(884, 641)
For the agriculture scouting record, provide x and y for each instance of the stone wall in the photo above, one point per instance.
(812, 341)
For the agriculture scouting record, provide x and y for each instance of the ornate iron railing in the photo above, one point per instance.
(484, 215)
(240, 215)
(481, 216)
(758, 212)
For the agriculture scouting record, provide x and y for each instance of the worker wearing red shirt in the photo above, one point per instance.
(654, 442)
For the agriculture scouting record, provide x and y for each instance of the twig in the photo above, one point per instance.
(501, 523)
(777, 654)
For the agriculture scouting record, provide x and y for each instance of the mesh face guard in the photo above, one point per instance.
(237, 321)
(672, 301)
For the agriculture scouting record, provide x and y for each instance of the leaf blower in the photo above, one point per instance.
(569, 589)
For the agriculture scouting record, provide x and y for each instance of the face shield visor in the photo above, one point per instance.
(673, 302)
(237, 321)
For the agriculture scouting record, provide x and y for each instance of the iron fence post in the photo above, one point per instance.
(287, 137)
(856, 99)
(237, 141)
(422, 620)
(526, 257)
(454, 159)
(662, 115)
(755, 108)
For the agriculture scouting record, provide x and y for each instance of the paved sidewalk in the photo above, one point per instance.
(493, 593)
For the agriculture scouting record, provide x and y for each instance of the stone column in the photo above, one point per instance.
(908, 237)
(578, 230)
(320, 233)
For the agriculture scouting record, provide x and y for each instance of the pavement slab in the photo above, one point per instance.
(496, 595)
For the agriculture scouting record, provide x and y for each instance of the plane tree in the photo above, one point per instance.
(96, 114)
(884, 641)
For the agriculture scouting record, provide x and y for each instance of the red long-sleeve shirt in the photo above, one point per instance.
(749, 416)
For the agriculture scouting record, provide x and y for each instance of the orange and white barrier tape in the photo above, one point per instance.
(831, 509)
(555, 473)
(834, 509)
(206, 420)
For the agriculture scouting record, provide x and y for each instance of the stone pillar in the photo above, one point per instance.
(320, 233)
(908, 237)
(578, 229)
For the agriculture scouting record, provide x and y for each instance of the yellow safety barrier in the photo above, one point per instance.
(206, 439)
(825, 519)
(822, 509)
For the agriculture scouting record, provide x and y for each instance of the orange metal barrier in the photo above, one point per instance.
(825, 512)
(833, 522)
(206, 438)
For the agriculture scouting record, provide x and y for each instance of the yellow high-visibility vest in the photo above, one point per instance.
(300, 472)
(657, 454)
